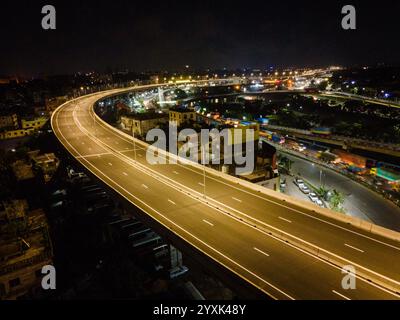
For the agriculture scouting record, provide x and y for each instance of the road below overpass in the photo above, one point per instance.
(360, 201)
(172, 195)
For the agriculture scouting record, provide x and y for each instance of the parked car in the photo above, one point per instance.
(313, 197)
(320, 203)
(298, 182)
(305, 189)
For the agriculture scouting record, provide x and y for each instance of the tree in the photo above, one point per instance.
(322, 85)
(336, 201)
(286, 163)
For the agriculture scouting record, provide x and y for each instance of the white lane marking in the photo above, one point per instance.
(202, 184)
(83, 143)
(262, 252)
(110, 164)
(125, 174)
(90, 149)
(93, 155)
(144, 186)
(140, 155)
(175, 172)
(236, 199)
(341, 295)
(354, 248)
(170, 201)
(287, 220)
(208, 222)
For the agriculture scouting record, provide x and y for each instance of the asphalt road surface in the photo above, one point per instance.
(274, 266)
(360, 201)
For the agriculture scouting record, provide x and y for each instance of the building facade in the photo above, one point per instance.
(141, 123)
(180, 116)
(25, 247)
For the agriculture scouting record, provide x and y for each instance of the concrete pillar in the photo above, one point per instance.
(176, 257)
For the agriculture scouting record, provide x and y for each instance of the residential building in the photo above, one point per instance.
(9, 121)
(25, 247)
(47, 162)
(53, 103)
(141, 123)
(35, 123)
(180, 116)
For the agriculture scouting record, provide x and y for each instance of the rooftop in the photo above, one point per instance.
(146, 116)
(181, 110)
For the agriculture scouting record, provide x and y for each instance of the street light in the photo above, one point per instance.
(134, 142)
(204, 169)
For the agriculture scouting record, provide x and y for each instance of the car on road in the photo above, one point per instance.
(304, 189)
(298, 182)
(283, 184)
(320, 203)
(313, 197)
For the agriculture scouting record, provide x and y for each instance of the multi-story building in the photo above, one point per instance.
(28, 127)
(53, 103)
(48, 163)
(25, 247)
(35, 123)
(180, 116)
(9, 121)
(141, 123)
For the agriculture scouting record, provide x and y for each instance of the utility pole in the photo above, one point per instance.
(204, 171)
(320, 177)
(134, 142)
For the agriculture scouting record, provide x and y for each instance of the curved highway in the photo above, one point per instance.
(240, 228)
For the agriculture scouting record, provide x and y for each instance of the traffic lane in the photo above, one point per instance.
(364, 252)
(343, 249)
(69, 132)
(350, 249)
(228, 235)
(190, 217)
(370, 205)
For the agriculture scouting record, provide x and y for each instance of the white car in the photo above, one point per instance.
(319, 202)
(298, 182)
(304, 189)
(313, 197)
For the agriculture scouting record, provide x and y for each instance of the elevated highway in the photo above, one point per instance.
(285, 248)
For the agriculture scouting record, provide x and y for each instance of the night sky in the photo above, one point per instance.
(166, 35)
